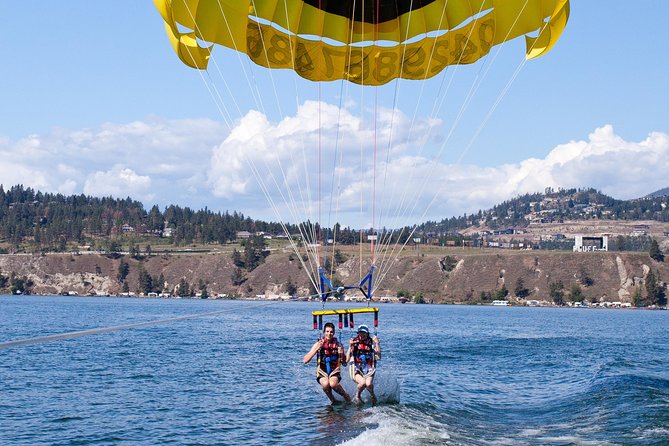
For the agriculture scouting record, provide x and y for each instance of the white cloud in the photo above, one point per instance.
(282, 159)
(167, 152)
(199, 163)
(285, 156)
(118, 182)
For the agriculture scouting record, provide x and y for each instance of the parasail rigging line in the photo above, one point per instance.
(380, 244)
(441, 100)
(251, 82)
(80, 333)
(485, 119)
(401, 210)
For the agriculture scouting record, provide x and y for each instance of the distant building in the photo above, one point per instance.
(583, 243)
(243, 234)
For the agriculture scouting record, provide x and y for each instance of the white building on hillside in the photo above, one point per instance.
(586, 243)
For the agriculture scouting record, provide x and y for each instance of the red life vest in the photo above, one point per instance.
(363, 351)
(329, 353)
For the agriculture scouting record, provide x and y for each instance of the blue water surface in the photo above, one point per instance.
(466, 376)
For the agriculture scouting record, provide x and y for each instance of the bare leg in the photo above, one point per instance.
(334, 384)
(370, 388)
(360, 380)
(325, 383)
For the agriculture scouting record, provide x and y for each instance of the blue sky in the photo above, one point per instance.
(93, 100)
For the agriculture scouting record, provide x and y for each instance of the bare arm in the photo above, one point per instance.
(377, 347)
(314, 349)
(349, 351)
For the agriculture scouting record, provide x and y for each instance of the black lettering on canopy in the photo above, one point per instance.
(365, 10)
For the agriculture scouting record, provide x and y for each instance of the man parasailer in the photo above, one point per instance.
(330, 357)
(364, 350)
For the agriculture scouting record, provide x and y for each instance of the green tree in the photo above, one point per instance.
(237, 259)
(501, 293)
(556, 292)
(448, 263)
(486, 296)
(160, 283)
(144, 281)
(291, 288)
(254, 252)
(126, 287)
(655, 252)
(576, 293)
(403, 293)
(655, 290)
(418, 298)
(134, 252)
(114, 247)
(586, 280)
(339, 257)
(123, 270)
(204, 293)
(637, 298)
(183, 288)
(520, 291)
(20, 285)
(237, 277)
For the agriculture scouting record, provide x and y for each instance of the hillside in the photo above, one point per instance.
(613, 276)
(36, 222)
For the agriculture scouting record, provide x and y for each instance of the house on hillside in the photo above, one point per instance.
(243, 234)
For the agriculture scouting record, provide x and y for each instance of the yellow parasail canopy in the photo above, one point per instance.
(325, 40)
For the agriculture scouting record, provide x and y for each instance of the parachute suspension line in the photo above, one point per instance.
(270, 72)
(402, 210)
(338, 182)
(376, 107)
(473, 89)
(397, 246)
(470, 95)
(499, 98)
(305, 203)
(320, 180)
(256, 95)
(418, 101)
(338, 162)
(386, 240)
(319, 160)
(220, 104)
(291, 204)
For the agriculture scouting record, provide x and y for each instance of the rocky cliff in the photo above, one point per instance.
(457, 276)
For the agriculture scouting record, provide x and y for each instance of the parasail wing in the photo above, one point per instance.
(368, 42)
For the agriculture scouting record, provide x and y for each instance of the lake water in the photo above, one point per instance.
(466, 376)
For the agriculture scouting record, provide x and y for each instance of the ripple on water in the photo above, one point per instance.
(467, 376)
